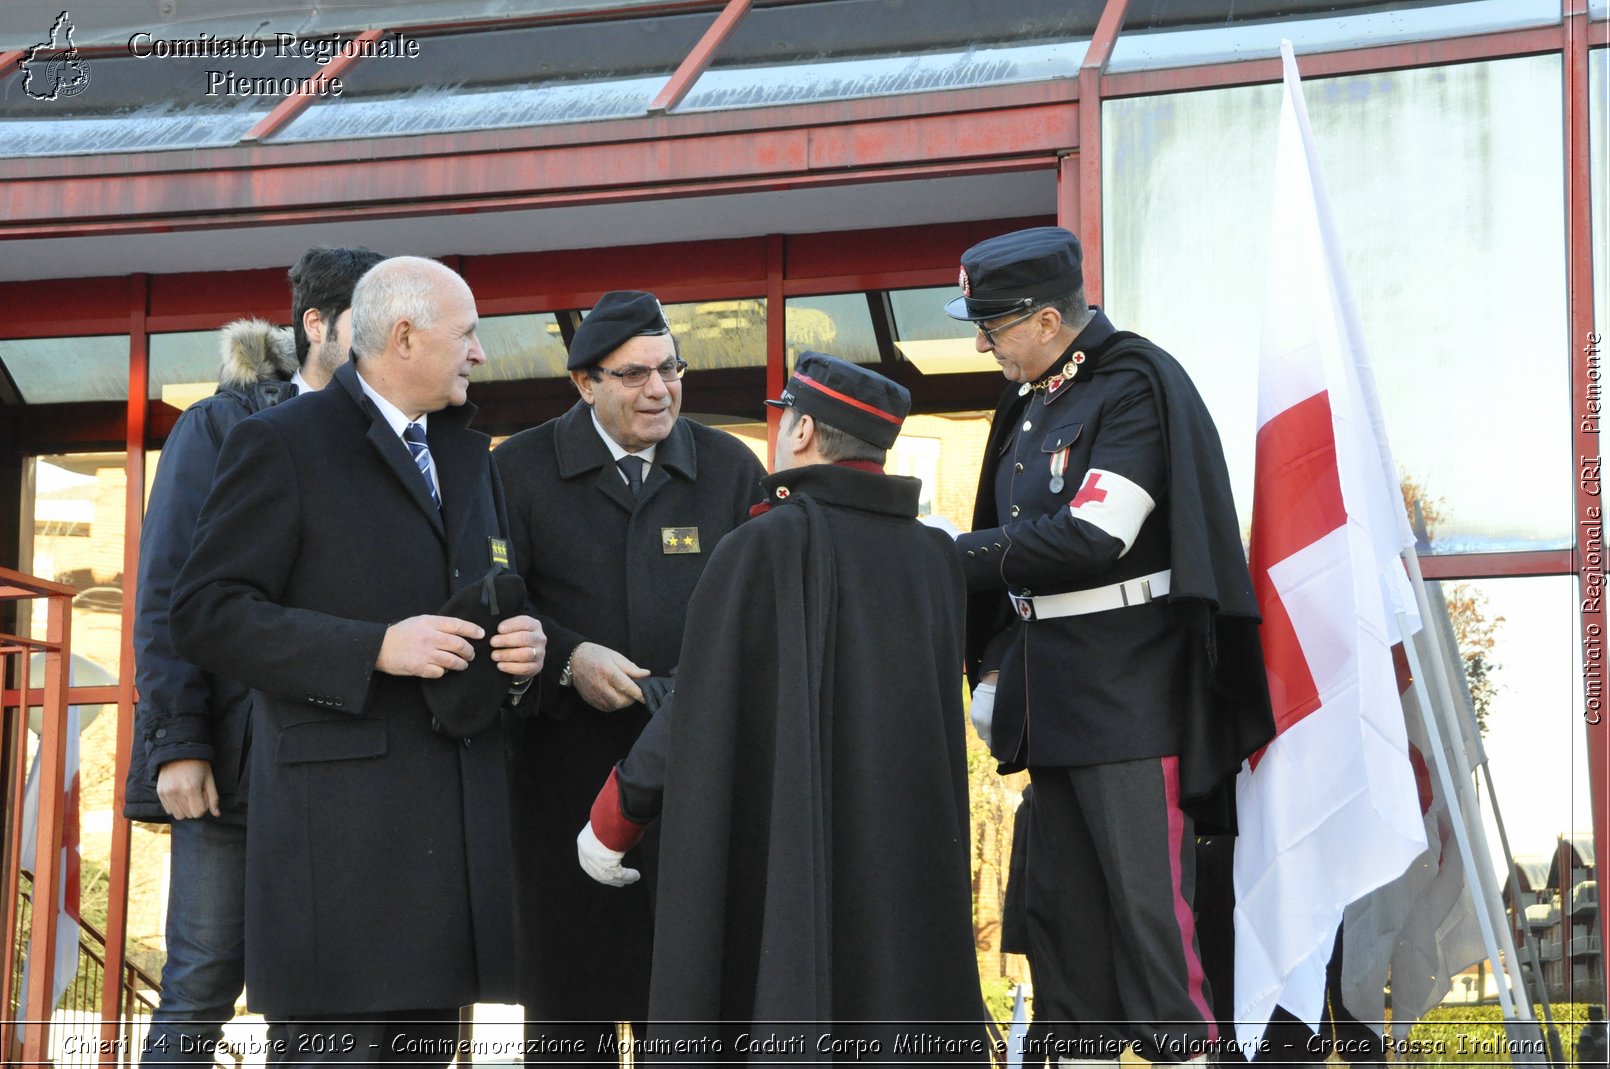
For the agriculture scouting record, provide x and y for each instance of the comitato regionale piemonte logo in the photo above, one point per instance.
(53, 69)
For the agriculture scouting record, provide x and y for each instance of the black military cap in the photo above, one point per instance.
(463, 704)
(847, 396)
(1017, 271)
(618, 315)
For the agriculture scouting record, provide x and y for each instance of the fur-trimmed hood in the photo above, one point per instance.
(251, 350)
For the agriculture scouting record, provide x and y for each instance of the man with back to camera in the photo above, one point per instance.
(814, 888)
(614, 507)
(188, 762)
(1113, 629)
(378, 897)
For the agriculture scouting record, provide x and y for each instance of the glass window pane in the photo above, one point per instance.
(1160, 34)
(839, 324)
(509, 76)
(1519, 640)
(145, 100)
(752, 433)
(183, 368)
(1471, 359)
(930, 339)
(520, 347)
(945, 453)
(1146, 16)
(844, 49)
(53, 370)
(74, 534)
(717, 334)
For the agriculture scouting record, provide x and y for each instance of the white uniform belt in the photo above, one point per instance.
(1078, 602)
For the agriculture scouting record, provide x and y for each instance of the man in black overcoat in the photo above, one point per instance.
(379, 897)
(1114, 634)
(188, 763)
(615, 508)
(814, 902)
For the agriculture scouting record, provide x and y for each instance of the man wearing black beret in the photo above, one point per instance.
(1112, 632)
(615, 508)
(809, 772)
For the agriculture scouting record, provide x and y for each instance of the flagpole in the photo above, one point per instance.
(1490, 903)
(1550, 1028)
(1469, 730)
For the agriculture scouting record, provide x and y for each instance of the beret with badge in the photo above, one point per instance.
(847, 396)
(619, 316)
(1017, 271)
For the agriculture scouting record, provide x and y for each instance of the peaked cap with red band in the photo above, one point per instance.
(847, 396)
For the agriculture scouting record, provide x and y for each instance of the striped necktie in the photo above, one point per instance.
(414, 436)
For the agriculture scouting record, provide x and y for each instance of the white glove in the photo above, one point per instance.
(982, 713)
(602, 863)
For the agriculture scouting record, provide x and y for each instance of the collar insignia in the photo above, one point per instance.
(1057, 381)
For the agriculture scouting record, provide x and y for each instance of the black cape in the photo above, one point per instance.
(1211, 591)
(814, 894)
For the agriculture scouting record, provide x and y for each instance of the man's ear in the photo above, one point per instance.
(402, 337)
(1049, 321)
(313, 326)
(584, 384)
(804, 430)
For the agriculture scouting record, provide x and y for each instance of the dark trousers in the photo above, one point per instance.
(578, 1044)
(1112, 940)
(402, 1037)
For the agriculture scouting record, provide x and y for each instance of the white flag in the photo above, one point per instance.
(1328, 811)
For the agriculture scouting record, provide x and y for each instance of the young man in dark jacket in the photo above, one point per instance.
(188, 762)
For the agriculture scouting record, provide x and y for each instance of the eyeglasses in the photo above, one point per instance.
(634, 375)
(990, 332)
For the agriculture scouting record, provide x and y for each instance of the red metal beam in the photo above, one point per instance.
(1095, 62)
(699, 59)
(1499, 45)
(1586, 363)
(776, 164)
(1068, 192)
(649, 128)
(310, 89)
(776, 338)
(1457, 566)
(117, 897)
(16, 727)
(9, 63)
(39, 1004)
(106, 695)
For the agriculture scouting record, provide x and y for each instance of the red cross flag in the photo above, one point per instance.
(1329, 810)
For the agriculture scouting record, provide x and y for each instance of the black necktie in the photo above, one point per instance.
(632, 468)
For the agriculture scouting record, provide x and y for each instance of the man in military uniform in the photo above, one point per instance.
(1113, 631)
(810, 767)
(614, 507)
